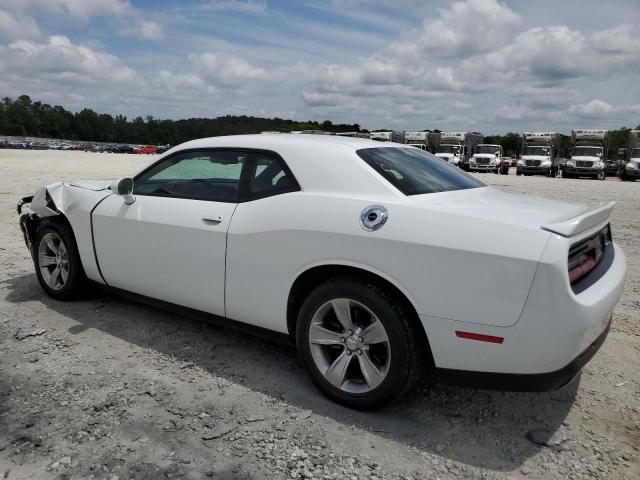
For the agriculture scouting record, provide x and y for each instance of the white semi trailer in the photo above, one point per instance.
(539, 154)
(417, 139)
(388, 136)
(589, 151)
(457, 147)
(631, 169)
(486, 158)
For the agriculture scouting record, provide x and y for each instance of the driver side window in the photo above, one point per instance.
(207, 175)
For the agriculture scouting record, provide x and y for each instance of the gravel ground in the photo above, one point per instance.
(105, 388)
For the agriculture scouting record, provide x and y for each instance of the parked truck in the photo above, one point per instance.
(457, 147)
(589, 150)
(539, 154)
(388, 136)
(486, 158)
(417, 139)
(631, 168)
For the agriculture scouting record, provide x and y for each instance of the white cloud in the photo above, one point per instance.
(16, 25)
(223, 69)
(77, 8)
(144, 29)
(248, 6)
(599, 108)
(464, 29)
(60, 59)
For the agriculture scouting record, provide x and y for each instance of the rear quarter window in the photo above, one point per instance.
(415, 172)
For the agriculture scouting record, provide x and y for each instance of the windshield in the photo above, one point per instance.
(415, 172)
(492, 149)
(455, 149)
(542, 151)
(586, 152)
(635, 153)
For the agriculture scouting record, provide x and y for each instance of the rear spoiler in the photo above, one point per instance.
(589, 218)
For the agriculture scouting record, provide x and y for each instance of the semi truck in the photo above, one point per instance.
(631, 168)
(417, 139)
(388, 136)
(457, 147)
(539, 154)
(486, 158)
(589, 150)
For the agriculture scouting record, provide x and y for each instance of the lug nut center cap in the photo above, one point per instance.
(352, 343)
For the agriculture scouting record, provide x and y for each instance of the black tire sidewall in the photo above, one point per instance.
(392, 318)
(76, 276)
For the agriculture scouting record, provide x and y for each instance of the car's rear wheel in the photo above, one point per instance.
(57, 261)
(357, 344)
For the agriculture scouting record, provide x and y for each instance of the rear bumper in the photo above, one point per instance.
(556, 334)
(513, 382)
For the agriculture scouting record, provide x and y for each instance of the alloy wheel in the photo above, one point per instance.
(349, 345)
(53, 261)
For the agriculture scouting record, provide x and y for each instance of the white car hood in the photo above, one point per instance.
(494, 205)
(95, 185)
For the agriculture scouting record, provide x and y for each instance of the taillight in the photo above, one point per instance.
(585, 255)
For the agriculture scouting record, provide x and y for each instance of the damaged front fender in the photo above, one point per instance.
(74, 201)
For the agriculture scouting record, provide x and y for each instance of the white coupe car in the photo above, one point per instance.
(381, 260)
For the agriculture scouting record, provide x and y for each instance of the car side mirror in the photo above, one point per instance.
(124, 188)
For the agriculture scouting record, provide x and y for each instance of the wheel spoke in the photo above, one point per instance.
(375, 333)
(338, 369)
(63, 250)
(64, 273)
(51, 244)
(370, 372)
(46, 260)
(342, 309)
(322, 336)
(53, 279)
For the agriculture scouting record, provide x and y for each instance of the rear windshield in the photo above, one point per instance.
(415, 172)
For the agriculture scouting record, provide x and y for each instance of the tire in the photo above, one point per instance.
(335, 367)
(55, 244)
(601, 175)
(566, 175)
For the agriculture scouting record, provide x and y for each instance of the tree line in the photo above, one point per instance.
(25, 117)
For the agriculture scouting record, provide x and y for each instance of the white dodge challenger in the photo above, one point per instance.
(379, 259)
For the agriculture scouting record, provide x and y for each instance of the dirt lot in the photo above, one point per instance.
(110, 389)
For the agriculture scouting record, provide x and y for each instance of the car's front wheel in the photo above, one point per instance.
(357, 344)
(57, 261)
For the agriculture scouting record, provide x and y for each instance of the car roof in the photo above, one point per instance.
(320, 163)
(273, 140)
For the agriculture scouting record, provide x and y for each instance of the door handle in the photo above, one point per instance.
(212, 218)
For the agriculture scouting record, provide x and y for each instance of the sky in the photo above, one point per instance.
(481, 65)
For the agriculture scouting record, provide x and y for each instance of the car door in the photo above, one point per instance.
(170, 243)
